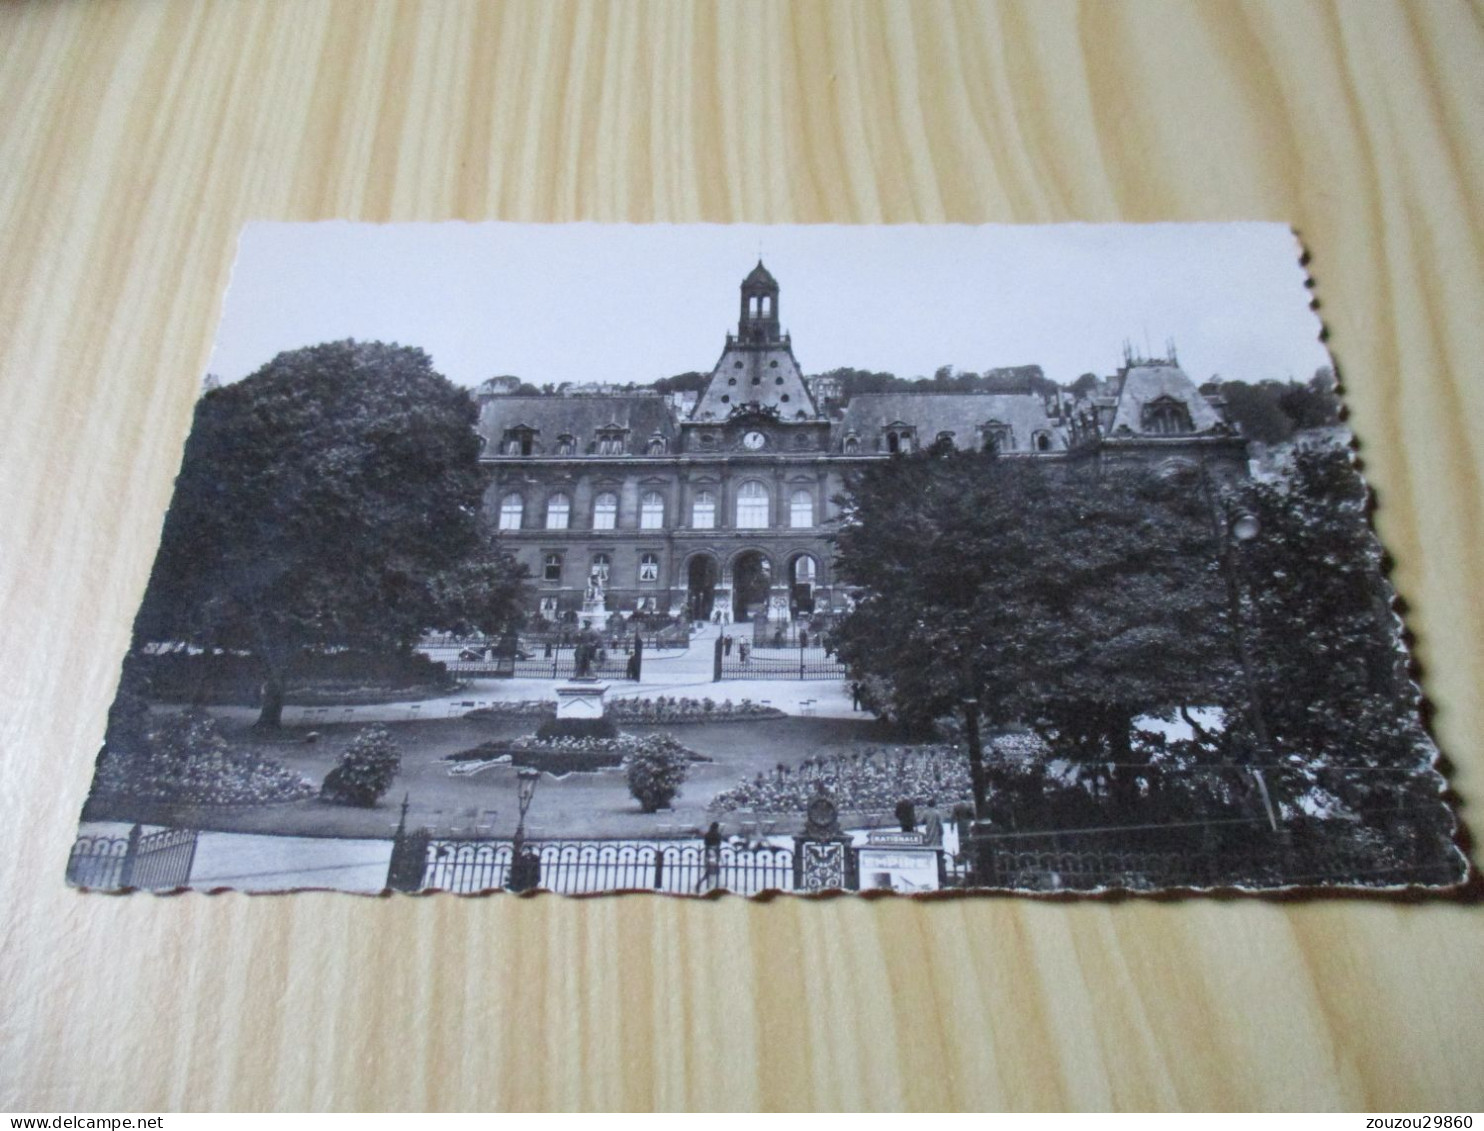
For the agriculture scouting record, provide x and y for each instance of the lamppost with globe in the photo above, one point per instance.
(1241, 528)
(525, 867)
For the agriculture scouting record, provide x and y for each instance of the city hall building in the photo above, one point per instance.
(723, 502)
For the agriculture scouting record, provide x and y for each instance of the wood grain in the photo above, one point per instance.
(135, 139)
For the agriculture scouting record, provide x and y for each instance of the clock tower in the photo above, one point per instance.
(757, 387)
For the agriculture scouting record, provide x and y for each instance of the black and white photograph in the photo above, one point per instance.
(753, 559)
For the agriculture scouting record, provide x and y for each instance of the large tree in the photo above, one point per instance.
(330, 500)
(1068, 599)
(1337, 701)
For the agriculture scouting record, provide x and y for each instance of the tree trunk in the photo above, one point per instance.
(271, 714)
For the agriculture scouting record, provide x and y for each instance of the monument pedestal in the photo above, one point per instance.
(898, 861)
(581, 699)
(594, 615)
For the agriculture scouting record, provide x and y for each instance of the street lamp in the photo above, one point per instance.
(525, 867)
(1240, 528)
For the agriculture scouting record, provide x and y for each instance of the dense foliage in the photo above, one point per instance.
(330, 500)
(1057, 597)
(1090, 606)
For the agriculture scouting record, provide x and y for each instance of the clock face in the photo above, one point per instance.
(753, 441)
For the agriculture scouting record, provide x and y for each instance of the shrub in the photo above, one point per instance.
(365, 770)
(656, 770)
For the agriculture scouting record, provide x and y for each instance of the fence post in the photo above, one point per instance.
(801, 663)
(408, 866)
(659, 867)
(716, 661)
(131, 853)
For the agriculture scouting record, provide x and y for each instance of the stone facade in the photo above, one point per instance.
(725, 503)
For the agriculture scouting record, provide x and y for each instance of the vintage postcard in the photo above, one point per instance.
(704, 559)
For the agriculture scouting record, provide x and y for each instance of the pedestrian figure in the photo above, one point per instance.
(711, 856)
(803, 638)
(932, 824)
(726, 645)
(907, 815)
(743, 651)
(855, 696)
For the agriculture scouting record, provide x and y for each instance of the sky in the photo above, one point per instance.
(621, 303)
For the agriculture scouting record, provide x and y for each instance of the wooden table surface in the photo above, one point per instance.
(136, 138)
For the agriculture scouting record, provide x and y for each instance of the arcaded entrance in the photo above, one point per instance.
(752, 577)
(700, 578)
(803, 576)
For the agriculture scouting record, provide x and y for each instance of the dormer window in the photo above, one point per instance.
(852, 445)
(656, 446)
(997, 437)
(899, 439)
(1166, 416)
(610, 442)
(566, 445)
(519, 441)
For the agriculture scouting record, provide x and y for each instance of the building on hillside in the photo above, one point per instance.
(722, 503)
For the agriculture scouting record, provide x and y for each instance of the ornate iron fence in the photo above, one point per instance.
(156, 861)
(1026, 868)
(587, 867)
(794, 663)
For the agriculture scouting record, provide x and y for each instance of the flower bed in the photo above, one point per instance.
(662, 709)
(875, 778)
(562, 756)
(666, 709)
(186, 761)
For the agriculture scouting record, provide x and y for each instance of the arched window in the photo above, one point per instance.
(752, 506)
(649, 567)
(558, 512)
(801, 509)
(512, 509)
(657, 447)
(852, 446)
(1043, 442)
(610, 442)
(605, 511)
(651, 511)
(703, 511)
(551, 568)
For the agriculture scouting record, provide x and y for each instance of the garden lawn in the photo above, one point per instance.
(579, 805)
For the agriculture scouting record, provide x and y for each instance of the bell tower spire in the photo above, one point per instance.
(758, 322)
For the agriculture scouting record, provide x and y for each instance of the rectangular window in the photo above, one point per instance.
(652, 511)
(551, 570)
(649, 567)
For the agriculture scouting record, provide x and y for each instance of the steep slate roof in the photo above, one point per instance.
(960, 413)
(777, 375)
(579, 417)
(1145, 383)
